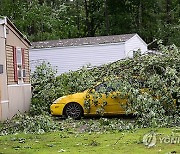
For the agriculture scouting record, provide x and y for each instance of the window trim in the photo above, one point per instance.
(19, 67)
(15, 64)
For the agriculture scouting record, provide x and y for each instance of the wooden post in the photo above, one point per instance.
(0, 88)
(0, 99)
(1, 71)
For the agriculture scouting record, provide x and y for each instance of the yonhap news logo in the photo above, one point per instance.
(151, 139)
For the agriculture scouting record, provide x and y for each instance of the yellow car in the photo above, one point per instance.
(73, 105)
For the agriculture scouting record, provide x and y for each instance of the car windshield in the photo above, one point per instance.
(110, 86)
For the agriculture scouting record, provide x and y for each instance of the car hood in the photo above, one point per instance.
(72, 97)
(80, 94)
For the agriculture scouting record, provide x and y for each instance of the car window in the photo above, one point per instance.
(99, 87)
(104, 87)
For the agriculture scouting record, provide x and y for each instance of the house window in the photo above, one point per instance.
(19, 56)
(19, 64)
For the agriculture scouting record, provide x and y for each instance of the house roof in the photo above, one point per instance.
(5, 20)
(82, 41)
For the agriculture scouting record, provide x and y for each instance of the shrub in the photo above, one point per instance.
(43, 88)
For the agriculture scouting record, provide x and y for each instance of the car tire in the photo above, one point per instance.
(73, 110)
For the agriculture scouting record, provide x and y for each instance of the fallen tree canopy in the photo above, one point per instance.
(160, 74)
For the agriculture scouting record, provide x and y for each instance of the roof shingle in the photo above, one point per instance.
(82, 41)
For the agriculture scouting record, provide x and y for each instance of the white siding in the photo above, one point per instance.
(19, 99)
(134, 44)
(73, 58)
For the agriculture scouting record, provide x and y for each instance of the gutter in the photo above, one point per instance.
(5, 21)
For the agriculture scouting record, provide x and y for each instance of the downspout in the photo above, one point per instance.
(5, 23)
(4, 37)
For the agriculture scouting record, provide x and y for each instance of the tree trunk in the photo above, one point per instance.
(140, 16)
(78, 17)
(106, 18)
(168, 11)
(87, 16)
(168, 20)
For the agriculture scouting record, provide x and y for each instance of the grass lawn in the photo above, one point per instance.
(105, 143)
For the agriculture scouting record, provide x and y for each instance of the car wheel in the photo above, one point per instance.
(73, 110)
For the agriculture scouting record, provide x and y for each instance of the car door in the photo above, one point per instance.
(115, 104)
(106, 97)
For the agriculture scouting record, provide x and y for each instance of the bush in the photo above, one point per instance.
(43, 88)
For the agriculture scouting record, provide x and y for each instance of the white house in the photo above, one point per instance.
(72, 54)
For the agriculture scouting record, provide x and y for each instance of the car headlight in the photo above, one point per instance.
(57, 100)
